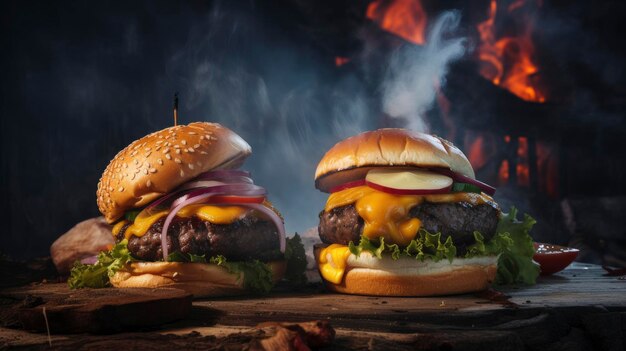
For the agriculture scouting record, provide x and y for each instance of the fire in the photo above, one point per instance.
(404, 18)
(522, 170)
(507, 61)
(340, 61)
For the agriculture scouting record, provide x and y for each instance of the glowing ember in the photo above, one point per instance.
(521, 169)
(476, 156)
(340, 61)
(404, 18)
(507, 61)
(503, 173)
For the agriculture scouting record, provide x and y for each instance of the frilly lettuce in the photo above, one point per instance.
(256, 274)
(97, 275)
(512, 243)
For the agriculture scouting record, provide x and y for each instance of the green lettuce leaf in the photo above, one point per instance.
(257, 276)
(366, 245)
(516, 265)
(512, 242)
(424, 246)
(131, 215)
(97, 275)
(296, 261)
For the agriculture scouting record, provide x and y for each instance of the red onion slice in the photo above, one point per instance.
(276, 219)
(202, 194)
(486, 188)
(223, 173)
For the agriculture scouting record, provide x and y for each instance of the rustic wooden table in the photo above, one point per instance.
(577, 309)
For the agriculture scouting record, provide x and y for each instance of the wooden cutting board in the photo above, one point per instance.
(90, 310)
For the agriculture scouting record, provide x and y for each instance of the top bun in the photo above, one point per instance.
(159, 162)
(352, 158)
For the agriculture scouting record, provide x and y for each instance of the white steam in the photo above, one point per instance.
(415, 73)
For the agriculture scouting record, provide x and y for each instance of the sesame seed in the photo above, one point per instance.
(157, 148)
(168, 156)
(148, 183)
(196, 146)
(190, 166)
(125, 165)
(147, 149)
(133, 177)
(184, 142)
(160, 162)
(177, 160)
(182, 173)
(153, 170)
(136, 147)
(178, 151)
(199, 164)
(133, 153)
(145, 171)
(167, 143)
(136, 162)
(166, 150)
(191, 150)
(204, 152)
(159, 141)
(192, 133)
(148, 153)
(201, 137)
(176, 146)
(120, 189)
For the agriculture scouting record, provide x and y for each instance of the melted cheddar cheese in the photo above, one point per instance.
(385, 215)
(213, 214)
(332, 262)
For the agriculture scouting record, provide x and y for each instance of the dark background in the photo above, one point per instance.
(81, 80)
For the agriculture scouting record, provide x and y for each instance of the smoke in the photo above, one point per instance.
(415, 73)
(291, 108)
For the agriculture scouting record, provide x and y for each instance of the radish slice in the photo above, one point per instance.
(486, 188)
(414, 182)
(408, 192)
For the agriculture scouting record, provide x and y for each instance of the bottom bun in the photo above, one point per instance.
(199, 279)
(367, 275)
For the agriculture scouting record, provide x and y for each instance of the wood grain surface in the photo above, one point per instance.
(91, 310)
(577, 309)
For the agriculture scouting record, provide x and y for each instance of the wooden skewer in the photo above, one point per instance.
(176, 109)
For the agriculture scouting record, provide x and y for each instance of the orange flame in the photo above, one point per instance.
(340, 61)
(507, 62)
(404, 18)
(522, 170)
(503, 173)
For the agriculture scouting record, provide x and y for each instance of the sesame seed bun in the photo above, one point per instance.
(159, 162)
(368, 275)
(352, 158)
(199, 279)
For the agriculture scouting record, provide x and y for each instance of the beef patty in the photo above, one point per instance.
(458, 220)
(246, 239)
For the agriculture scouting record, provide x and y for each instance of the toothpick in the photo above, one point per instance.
(45, 317)
(175, 108)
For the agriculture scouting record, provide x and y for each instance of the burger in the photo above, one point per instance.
(406, 217)
(184, 216)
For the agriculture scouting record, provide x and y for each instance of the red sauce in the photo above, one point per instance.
(553, 258)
